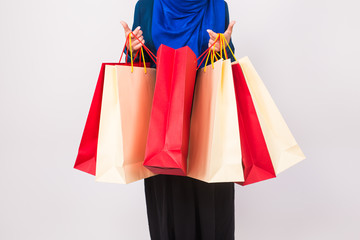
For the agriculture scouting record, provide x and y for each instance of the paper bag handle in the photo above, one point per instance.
(128, 40)
(211, 51)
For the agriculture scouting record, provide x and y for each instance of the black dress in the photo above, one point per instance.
(185, 208)
(182, 208)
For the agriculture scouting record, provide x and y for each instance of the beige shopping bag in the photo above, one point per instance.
(124, 121)
(283, 149)
(214, 146)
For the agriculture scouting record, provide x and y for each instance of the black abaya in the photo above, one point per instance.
(185, 208)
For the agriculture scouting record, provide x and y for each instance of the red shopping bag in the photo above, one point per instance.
(168, 136)
(86, 158)
(255, 155)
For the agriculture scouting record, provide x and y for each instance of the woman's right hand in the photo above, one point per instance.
(135, 44)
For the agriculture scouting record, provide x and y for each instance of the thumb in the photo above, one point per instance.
(230, 27)
(125, 26)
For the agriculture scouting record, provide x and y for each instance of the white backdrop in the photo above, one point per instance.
(307, 53)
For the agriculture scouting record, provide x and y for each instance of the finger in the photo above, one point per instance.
(212, 34)
(135, 32)
(217, 47)
(211, 42)
(142, 42)
(134, 42)
(137, 39)
(139, 34)
(230, 28)
(125, 26)
(138, 46)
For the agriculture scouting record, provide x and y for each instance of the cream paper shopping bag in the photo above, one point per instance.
(124, 121)
(283, 149)
(214, 146)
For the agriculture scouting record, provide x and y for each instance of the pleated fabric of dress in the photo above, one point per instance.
(183, 208)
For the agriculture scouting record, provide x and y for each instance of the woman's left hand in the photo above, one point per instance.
(227, 35)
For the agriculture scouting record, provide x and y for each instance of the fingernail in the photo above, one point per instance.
(208, 30)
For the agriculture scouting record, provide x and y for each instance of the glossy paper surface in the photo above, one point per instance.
(168, 139)
(255, 155)
(214, 149)
(86, 158)
(124, 121)
(283, 149)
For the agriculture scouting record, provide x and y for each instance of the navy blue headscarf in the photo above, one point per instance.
(177, 23)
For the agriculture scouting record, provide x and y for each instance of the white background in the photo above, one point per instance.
(307, 53)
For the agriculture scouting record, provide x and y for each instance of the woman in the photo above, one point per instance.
(180, 207)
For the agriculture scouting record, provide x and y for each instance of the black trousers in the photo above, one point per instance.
(182, 208)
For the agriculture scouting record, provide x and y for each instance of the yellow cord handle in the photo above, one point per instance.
(223, 44)
(210, 51)
(131, 55)
(207, 58)
(224, 39)
(142, 53)
(223, 47)
(212, 56)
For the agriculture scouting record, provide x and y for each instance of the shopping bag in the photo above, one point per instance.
(124, 121)
(86, 157)
(168, 137)
(214, 147)
(283, 148)
(87, 152)
(255, 155)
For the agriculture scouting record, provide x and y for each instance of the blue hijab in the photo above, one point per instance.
(177, 23)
